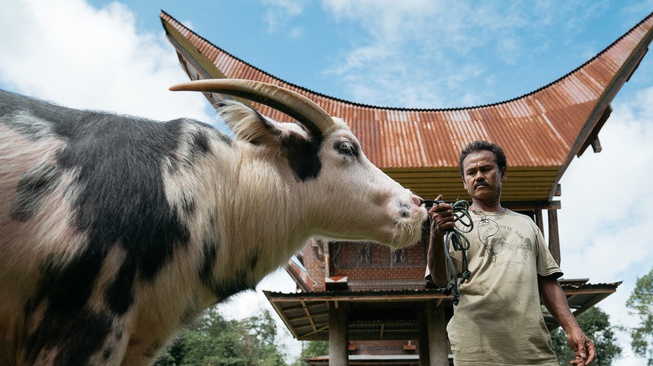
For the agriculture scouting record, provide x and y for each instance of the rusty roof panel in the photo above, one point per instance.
(542, 130)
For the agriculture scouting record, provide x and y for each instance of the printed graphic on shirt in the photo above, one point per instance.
(497, 239)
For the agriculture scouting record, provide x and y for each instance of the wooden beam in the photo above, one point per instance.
(530, 205)
(318, 330)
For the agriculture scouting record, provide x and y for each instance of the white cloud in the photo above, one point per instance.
(410, 50)
(76, 55)
(436, 49)
(279, 12)
(606, 217)
(609, 195)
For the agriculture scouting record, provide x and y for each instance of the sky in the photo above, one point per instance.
(105, 55)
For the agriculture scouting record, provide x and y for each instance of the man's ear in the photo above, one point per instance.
(504, 174)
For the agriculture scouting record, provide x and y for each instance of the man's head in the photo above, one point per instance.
(499, 156)
(483, 169)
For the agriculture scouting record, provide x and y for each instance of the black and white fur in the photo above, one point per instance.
(116, 231)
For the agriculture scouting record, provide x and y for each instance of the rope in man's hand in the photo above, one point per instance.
(455, 237)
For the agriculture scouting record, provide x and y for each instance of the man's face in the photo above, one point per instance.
(482, 178)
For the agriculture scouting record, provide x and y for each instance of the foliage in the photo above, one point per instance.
(640, 304)
(216, 341)
(312, 349)
(596, 325)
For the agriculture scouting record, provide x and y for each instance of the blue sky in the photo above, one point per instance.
(457, 53)
(433, 54)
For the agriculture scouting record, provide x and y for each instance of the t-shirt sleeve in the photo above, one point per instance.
(546, 265)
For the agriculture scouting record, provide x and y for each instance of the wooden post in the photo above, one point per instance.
(338, 337)
(437, 329)
(539, 220)
(554, 238)
(423, 334)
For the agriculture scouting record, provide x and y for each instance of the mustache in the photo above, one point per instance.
(478, 184)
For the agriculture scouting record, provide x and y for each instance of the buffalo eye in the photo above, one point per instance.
(346, 148)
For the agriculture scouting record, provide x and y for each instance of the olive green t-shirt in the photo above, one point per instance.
(498, 320)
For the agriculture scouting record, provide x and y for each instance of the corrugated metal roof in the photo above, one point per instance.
(541, 132)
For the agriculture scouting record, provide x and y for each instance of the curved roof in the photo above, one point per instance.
(541, 131)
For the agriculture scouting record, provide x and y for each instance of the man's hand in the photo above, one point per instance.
(442, 216)
(441, 219)
(583, 347)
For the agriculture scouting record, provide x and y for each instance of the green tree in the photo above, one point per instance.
(312, 349)
(640, 303)
(216, 341)
(596, 324)
(174, 355)
(263, 329)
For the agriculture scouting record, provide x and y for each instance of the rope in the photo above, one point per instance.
(455, 237)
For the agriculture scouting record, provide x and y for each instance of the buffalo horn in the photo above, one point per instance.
(297, 106)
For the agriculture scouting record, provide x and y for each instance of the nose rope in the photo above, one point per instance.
(455, 237)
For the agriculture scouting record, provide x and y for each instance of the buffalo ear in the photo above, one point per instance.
(248, 124)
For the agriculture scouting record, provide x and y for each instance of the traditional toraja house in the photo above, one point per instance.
(372, 304)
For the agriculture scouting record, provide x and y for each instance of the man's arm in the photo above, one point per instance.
(556, 302)
(441, 219)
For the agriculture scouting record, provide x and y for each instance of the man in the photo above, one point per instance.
(498, 320)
